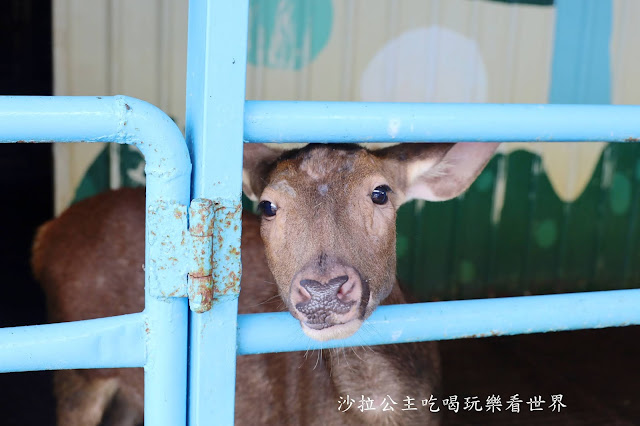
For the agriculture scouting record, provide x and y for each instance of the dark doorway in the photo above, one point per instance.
(26, 182)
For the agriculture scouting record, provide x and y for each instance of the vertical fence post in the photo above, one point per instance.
(216, 68)
(165, 370)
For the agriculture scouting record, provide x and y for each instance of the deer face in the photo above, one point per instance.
(328, 222)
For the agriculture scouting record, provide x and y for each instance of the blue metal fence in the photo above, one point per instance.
(218, 120)
(156, 338)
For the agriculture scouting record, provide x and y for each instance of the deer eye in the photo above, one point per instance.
(379, 194)
(267, 208)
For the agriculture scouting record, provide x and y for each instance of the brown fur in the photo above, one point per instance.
(89, 261)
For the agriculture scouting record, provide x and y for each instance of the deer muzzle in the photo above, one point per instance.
(329, 298)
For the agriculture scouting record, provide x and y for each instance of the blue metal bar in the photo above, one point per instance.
(216, 67)
(168, 169)
(118, 119)
(96, 343)
(288, 121)
(280, 332)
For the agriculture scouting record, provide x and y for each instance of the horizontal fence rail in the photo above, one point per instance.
(288, 121)
(119, 119)
(98, 343)
(280, 332)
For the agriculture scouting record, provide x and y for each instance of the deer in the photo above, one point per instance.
(323, 244)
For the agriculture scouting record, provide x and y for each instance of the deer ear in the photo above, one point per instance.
(257, 162)
(437, 172)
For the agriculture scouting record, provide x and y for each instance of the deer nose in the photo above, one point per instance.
(323, 302)
(329, 291)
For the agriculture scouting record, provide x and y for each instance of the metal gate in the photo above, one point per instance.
(218, 121)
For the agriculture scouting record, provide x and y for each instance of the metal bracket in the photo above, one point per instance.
(227, 268)
(180, 253)
(200, 279)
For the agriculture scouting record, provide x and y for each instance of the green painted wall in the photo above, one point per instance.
(540, 244)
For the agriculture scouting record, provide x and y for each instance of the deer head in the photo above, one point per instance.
(329, 220)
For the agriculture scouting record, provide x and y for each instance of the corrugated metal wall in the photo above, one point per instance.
(108, 47)
(541, 218)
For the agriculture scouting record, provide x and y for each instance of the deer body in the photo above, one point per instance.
(328, 226)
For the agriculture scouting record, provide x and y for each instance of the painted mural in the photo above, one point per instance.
(542, 217)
